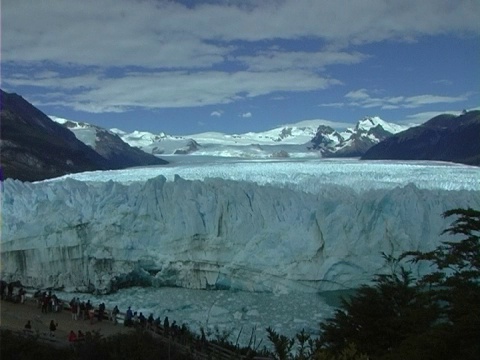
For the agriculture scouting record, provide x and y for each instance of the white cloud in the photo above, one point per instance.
(216, 113)
(97, 93)
(333, 105)
(362, 98)
(421, 117)
(273, 60)
(420, 100)
(246, 115)
(166, 34)
(358, 95)
(117, 54)
(443, 82)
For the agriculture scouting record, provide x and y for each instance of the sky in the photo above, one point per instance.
(185, 67)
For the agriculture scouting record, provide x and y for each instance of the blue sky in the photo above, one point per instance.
(234, 66)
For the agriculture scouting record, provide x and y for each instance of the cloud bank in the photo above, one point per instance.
(116, 55)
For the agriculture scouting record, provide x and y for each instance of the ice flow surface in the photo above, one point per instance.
(304, 174)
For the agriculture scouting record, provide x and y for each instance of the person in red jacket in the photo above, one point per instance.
(72, 337)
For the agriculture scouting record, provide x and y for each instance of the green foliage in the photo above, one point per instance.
(378, 318)
(282, 344)
(13, 347)
(349, 352)
(455, 285)
(306, 345)
(436, 317)
(457, 262)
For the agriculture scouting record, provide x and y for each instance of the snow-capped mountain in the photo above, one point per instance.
(290, 134)
(283, 141)
(108, 144)
(309, 138)
(355, 141)
(157, 144)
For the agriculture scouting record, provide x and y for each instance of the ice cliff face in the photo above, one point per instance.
(212, 234)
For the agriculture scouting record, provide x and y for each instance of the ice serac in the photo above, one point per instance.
(212, 234)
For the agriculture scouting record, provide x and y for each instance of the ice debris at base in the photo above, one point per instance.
(237, 313)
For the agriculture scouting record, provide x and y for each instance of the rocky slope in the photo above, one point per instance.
(109, 145)
(33, 147)
(445, 138)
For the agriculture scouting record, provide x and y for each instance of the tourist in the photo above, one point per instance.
(88, 309)
(101, 311)
(44, 303)
(142, 320)
(114, 314)
(128, 317)
(22, 294)
(150, 322)
(81, 336)
(10, 291)
(72, 337)
(135, 319)
(81, 309)
(53, 327)
(166, 325)
(74, 309)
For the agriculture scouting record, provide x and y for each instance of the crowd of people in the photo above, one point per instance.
(137, 319)
(85, 310)
(48, 302)
(7, 291)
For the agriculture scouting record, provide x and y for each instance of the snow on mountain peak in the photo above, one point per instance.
(355, 141)
(371, 122)
(84, 132)
(296, 139)
(118, 131)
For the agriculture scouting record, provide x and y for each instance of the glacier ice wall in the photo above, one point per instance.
(213, 234)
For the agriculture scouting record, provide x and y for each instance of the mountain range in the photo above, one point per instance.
(36, 147)
(310, 138)
(353, 142)
(446, 138)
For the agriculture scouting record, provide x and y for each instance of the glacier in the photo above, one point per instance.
(278, 226)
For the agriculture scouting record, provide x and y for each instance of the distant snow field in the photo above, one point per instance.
(307, 175)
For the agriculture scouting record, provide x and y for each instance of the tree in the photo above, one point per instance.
(377, 319)
(436, 317)
(282, 345)
(455, 284)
